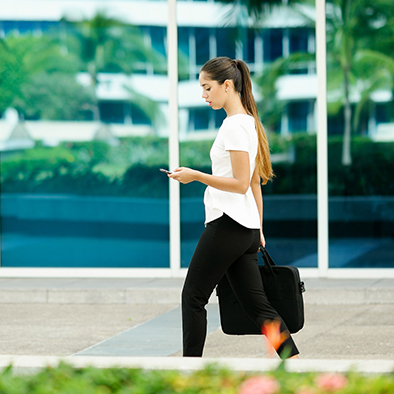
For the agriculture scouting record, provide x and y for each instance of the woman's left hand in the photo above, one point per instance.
(183, 175)
(262, 239)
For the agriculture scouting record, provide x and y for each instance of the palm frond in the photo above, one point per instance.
(371, 59)
(149, 107)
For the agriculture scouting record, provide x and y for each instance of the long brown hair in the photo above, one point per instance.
(220, 69)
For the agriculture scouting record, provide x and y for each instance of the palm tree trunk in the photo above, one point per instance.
(93, 85)
(346, 146)
(95, 109)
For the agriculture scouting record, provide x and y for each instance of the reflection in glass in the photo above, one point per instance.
(273, 44)
(226, 42)
(202, 44)
(361, 134)
(287, 111)
(83, 134)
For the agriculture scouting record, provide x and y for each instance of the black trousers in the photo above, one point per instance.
(225, 248)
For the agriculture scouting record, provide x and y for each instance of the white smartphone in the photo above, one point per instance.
(166, 171)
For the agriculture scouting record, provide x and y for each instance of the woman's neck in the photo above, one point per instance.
(235, 107)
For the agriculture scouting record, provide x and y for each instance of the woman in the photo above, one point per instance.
(233, 207)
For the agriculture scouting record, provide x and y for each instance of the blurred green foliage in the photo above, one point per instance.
(132, 168)
(38, 78)
(56, 96)
(38, 74)
(65, 379)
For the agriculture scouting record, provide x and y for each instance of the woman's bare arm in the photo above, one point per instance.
(238, 183)
(255, 185)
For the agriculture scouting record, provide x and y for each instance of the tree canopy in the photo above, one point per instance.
(35, 74)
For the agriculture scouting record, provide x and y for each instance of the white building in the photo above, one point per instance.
(205, 29)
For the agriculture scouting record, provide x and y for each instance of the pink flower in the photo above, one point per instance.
(260, 385)
(331, 381)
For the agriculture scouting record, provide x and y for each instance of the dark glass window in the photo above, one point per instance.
(298, 40)
(273, 44)
(298, 114)
(225, 42)
(299, 43)
(111, 111)
(183, 40)
(382, 113)
(335, 123)
(199, 118)
(138, 116)
(298, 71)
(248, 46)
(157, 34)
(202, 44)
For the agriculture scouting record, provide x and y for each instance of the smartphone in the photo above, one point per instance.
(166, 171)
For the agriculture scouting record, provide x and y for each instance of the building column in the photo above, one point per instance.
(173, 142)
(322, 158)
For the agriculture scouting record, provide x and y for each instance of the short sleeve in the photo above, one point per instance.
(236, 137)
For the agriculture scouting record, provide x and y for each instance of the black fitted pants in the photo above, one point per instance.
(225, 248)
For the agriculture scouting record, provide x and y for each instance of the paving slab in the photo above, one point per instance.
(62, 330)
(161, 336)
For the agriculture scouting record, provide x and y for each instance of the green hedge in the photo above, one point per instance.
(369, 174)
(132, 168)
(65, 379)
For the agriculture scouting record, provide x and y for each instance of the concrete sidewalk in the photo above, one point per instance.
(167, 291)
(140, 319)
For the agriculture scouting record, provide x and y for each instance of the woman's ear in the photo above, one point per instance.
(228, 85)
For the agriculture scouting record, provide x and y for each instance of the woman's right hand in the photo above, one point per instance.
(183, 175)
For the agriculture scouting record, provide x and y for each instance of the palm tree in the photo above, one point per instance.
(353, 26)
(106, 44)
(351, 66)
(251, 14)
(270, 108)
(258, 8)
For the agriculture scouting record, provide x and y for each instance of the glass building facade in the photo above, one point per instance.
(81, 186)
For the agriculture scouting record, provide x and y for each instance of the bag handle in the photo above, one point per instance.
(266, 257)
(268, 262)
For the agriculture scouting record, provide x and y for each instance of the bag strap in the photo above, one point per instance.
(268, 262)
(266, 257)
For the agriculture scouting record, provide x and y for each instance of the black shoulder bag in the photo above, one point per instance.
(283, 288)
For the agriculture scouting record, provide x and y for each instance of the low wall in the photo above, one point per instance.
(284, 216)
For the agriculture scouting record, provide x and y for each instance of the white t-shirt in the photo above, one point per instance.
(238, 133)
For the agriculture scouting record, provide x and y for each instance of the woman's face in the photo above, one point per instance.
(213, 93)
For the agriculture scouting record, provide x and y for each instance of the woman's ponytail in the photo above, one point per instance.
(263, 160)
